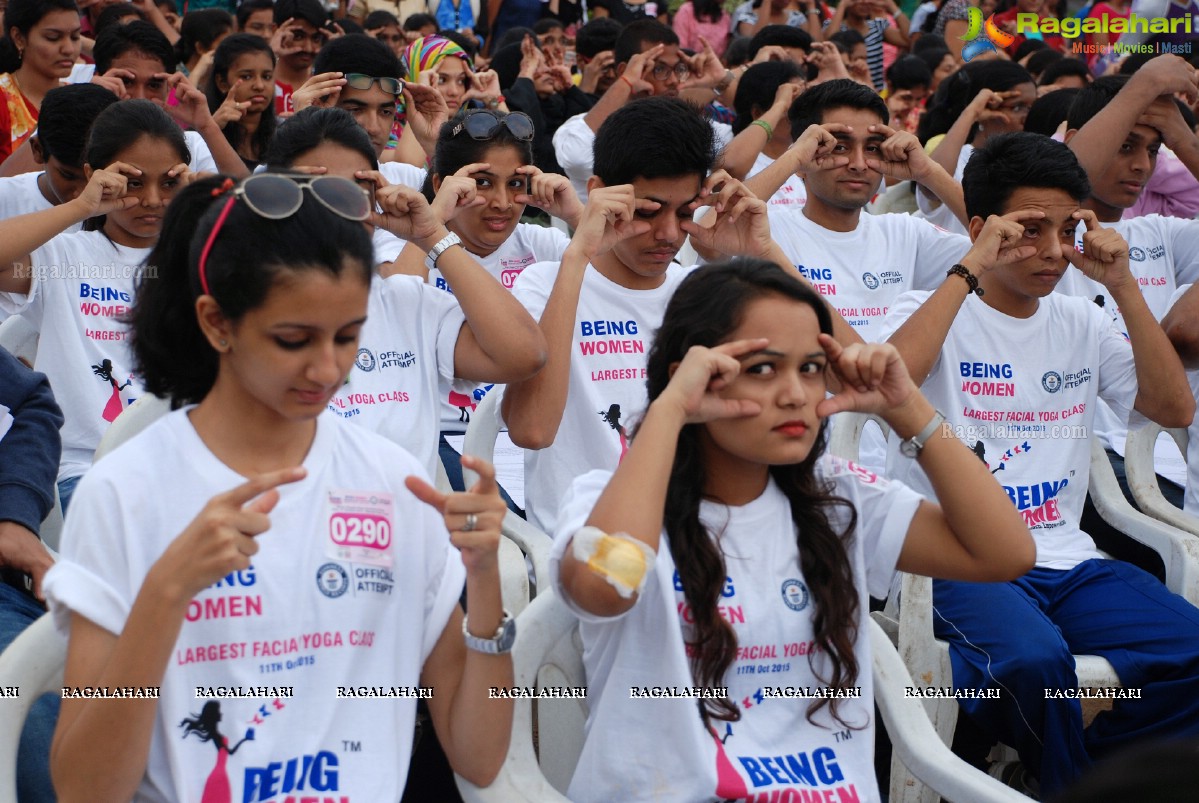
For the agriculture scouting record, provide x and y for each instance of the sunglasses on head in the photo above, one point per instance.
(276, 196)
(357, 80)
(483, 124)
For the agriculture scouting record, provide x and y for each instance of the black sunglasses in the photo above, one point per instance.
(482, 124)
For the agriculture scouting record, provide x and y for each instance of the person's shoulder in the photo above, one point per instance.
(546, 241)
(538, 273)
(149, 455)
(1076, 308)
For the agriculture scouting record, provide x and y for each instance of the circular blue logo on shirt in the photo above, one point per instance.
(1136, 254)
(870, 280)
(1051, 381)
(365, 360)
(332, 580)
(795, 594)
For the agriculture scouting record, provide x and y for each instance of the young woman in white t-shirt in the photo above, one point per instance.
(76, 286)
(726, 553)
(482, 334)
(254, 550)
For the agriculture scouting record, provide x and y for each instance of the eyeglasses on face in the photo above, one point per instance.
(356, 80)
(662, 71)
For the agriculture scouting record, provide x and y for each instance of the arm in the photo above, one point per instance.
(624, 88)
(901, 158)
(897, 34)
(1163, 393)
(533, 407)
(1098, 141)
(740, 154)
(192, 111)
(1181, 326)
(838, 19)
(20, 236)
(946, 154)
(473, 729)
(97, 755)
(954, 31)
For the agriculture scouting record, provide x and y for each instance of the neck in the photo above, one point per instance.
(34, 86)
(47, 189)
(1105, 212)
(731, 480)
(293, 78)
(472, 248)
(833, 218)
(612, 269)
(774, 149)
(255, 440)
(998, 297)
(122, 237)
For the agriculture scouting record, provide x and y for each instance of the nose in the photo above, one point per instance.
(792, 392)
(666, 229)
(324, 370)
(1056, 249)
(152, 197)
(1141, 162)
(857, 159)
(501, 199)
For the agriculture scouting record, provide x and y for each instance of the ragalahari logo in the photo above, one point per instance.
(982, 36)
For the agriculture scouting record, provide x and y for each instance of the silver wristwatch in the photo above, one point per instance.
(436, 251)
(913, 446)
(500, 643)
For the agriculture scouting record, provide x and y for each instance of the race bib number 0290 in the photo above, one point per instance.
(360, 527)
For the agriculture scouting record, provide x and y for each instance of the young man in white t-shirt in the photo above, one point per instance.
(648, 64)
(1116, 127)
(599, 307)
(860, 262)
(1017, 369)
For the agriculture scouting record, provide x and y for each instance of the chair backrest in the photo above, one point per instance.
(547, 651)
(19, 338)
(132, 420)
(51, 529)
(1142, 478)
(33, 662)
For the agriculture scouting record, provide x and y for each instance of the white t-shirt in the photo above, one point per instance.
(528, 243)
(405, 350)
(943, 216)
(574, 145)
(82, 284)
(658, 749)
(202, 161)
(19, 195)
(1022, 393)
(312, 612)
(1163, 253)
(403, 173)
(862, 272)
(792, 195)
(614, 328)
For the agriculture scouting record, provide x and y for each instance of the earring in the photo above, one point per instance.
(224, 343)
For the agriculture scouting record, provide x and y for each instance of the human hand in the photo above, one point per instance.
(1001, 242)
(105, 190)
(873, 378)
(406, 214)
(827, 59)
(1167, 74)
(484, 86)
(707, 70)
(231, 110)
(552, 193)
(474, 518)
(694, 388)
(900, 156)
(532, 59)
(114, 81)
(816, 148)
(20, 549)
(636, 67)
(594, 69)
(1104, 255)
(321, 90)
(426, 112)
(741, 227)
(608, 218)
(459, 191)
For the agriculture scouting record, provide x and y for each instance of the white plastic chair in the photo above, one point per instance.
(132, 420)
(33, 662)
(547, 650)
(19, 338)
(1142, 478)
(484, 428)
(908, 615)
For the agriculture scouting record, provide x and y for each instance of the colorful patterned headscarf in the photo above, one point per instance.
(418, 58)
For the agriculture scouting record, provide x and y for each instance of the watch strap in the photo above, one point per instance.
(440, 248)
(915, 444)
(500, 643)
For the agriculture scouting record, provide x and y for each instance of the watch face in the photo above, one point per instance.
(508, 637)
(908, 449)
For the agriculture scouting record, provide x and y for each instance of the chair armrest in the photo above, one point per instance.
(1142, 477)
(481, 432)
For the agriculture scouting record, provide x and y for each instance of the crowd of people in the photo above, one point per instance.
(676, 246)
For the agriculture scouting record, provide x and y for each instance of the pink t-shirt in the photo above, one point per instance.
(690, 29)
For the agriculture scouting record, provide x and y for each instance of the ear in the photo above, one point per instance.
(594, 183)
(674, 366)
(17, 37)
(436, 182)
(1070, 132)
(222, 84)
(87, 172)
(35, 147)
(213, 323)
(976, 227)
(620, 68)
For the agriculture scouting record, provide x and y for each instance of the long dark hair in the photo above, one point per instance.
(954, 94)
(708, 10)
(455, 152)
(23, 15)
(705, 308)
(247, 255)
(231, 48)
(201, 28)
(206, 724)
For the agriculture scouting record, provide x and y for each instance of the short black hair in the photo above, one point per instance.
(1064, 67)
(737, 53)
(380, 19)
(929, 41)
(757, 89)
(1020, 159)
(311, 11)
(248, 7)
(954, 94)
(908, 72)
(847, 40)
(547, 24)
(414, 22)
(137, 36)
(637, 34)
(201, 28)
(1092, 98)
(1049, 111)
(1028, 46)
(66, 116)
(114, 14)
(1039, 61)
(597, 36)
(1134, 62)
(357, 53)
(781, 36)
(471, 46)
(841, 93)
(672, 139)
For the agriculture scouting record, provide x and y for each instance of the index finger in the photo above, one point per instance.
(1087, 216)
(123, 168)
(486, 483)
(832, 348)
(884, 129)
(469, 170)
(740, 348)
(1021, 215)
(244, 493)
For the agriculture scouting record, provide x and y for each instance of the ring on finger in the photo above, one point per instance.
(472, 521)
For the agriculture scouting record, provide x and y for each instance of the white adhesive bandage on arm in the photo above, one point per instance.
(620, 559)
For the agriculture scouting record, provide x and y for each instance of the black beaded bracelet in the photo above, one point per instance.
(964, 272)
